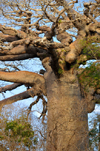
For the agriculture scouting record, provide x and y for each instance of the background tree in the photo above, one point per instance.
(16, 132)
(68, 101)
(94, 133)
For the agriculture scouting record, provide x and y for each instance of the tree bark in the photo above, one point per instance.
(67, 115)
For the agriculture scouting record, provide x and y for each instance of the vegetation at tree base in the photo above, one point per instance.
(28, 31)
(16, 133)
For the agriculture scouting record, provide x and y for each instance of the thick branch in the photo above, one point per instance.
(7, 38)
(75, 49)
(77, 46)
(22, 49)
(25, 77)
(8, 30)
(15, 51)
(12, 32)
(17, 57)
(22, 77)
(65, 38)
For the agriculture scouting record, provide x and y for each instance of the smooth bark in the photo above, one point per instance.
(67, 115)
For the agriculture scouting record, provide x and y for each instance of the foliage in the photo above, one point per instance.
(60, 71)
(91, 49)
(91, 76)
(59, 21)
(94, 124)
(17, 133)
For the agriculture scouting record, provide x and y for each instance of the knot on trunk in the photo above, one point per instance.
(90, 103)
(90, 98)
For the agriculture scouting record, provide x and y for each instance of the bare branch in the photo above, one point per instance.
(25, 77)
(33, 103)
(44, 108)
(22, 77)
(9, 87)
(17, 57)
(46, 14)
(24, 95)
(7, 38)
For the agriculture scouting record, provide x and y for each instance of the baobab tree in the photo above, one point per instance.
(71, 92)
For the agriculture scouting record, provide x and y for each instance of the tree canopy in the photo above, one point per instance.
(51, 18)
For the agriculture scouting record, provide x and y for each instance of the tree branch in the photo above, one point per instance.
(9, 87)
(22, 77)
(25, 77)
(77, 46)
(12, 32)
(14, 51)
(24, 95)
(17, 57)
(33, 103)
(72, 14)
(7, 38)
(75, 50)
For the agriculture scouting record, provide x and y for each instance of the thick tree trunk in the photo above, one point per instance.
(67, 115)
